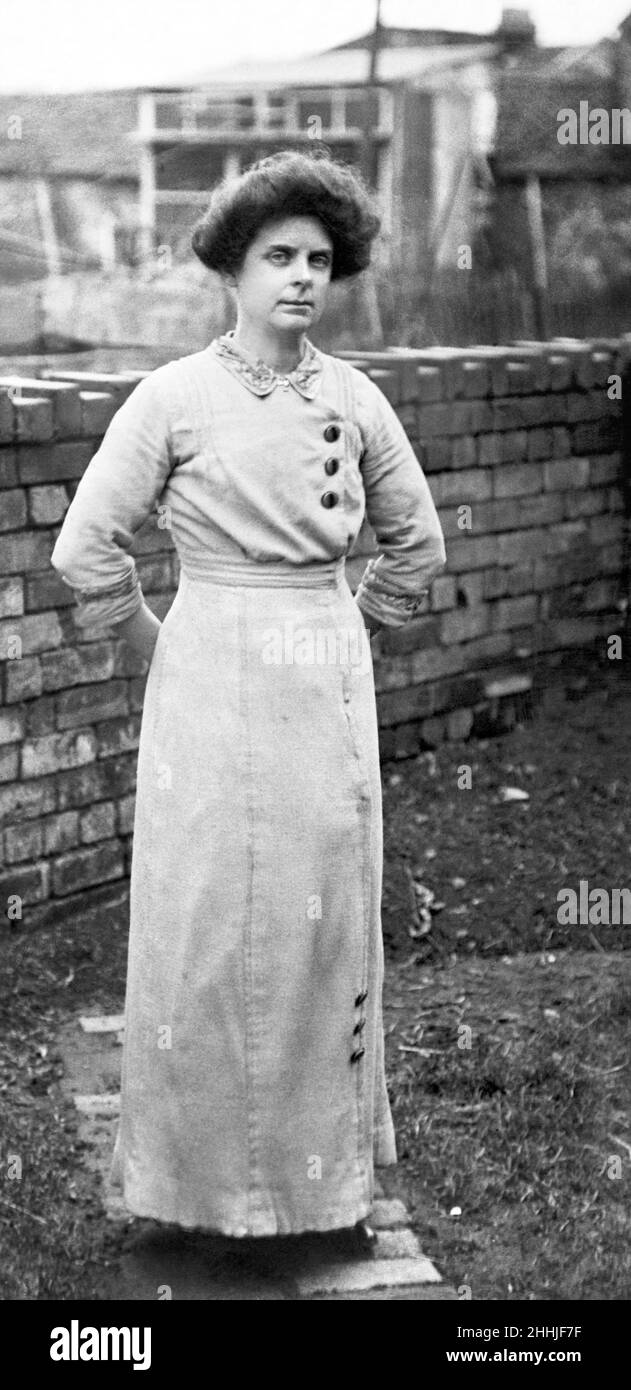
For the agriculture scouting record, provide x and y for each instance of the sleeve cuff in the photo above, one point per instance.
(105, 606)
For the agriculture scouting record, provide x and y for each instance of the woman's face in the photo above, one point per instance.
(282, 283)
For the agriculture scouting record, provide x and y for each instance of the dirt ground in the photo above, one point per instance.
(507, 1034)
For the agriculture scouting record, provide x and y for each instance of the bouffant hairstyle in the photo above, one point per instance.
(289, 184)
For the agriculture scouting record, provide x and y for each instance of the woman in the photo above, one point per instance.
(254, 1097)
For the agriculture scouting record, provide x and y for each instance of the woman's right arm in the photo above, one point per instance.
(114, 497)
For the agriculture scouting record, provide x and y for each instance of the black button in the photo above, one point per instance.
(360, 998)
(331, 433)
(331, 466)
(359, 1026)
(355, 1056)
(329, 499)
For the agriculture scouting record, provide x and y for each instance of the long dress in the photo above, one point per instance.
(254, 1096)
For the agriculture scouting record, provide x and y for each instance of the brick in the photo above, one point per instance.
(540, 444)
(81, 868)
(605, 468)
(429, 384)
(520, 545)
(9, 763)
(517, 479)
(476, 379)
(33, 419)
(8, 467)
(514, 612)
(84, 704)
(63, 461)
(468, 485)
(433, 732)
(98, 823)
(13, 511)
(40, 717)
(472, 552)
(480, 417)
(500, 583)
(58, 751)
(521, 378)
(400, 706)
(602, 593)
(603, 529)
(26, 800)
(61, 832)
(561, 443)
(435, 455)
(414, 635)
(565, 473)
(500, 515)
(469, 589)
(565, 536)
(11, 725)
(561, 374)
(80, 665)
(391, 673)
(585, 405)
(11, 597)
(463, 451)
(30, 883)
(47, 505)
(126, 810)
(527, 412)
(443, 593)
(23, 842)
(37, 632)
(541, 511)
(118, 735)
(437, 420)
(490, 449)
(7, 419)
(97, 409)
(571, 632)
(108, 778)
(514, 445)
(24, 551)
(461, 624)
(459, 724)
(586, 503)
(596, 437)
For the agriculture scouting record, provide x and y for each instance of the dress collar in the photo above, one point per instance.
(261, 379)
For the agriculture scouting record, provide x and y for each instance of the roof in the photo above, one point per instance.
(530, 96)
(81, 136)
(347, 67)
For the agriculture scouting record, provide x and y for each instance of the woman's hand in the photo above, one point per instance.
(141, 631)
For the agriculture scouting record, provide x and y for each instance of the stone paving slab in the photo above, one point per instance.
(162, 1262)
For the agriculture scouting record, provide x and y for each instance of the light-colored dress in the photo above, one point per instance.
(254, 1097)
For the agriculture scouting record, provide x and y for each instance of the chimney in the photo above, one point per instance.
(516, 31)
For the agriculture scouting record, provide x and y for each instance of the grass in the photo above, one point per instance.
(527, 1130)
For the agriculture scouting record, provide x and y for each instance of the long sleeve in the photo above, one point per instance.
(114, 497)
(400, 510)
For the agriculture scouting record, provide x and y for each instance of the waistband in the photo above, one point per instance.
(259, 575)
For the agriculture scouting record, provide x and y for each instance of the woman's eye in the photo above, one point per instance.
(279, 256)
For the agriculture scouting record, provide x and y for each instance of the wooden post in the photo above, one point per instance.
(538, 251)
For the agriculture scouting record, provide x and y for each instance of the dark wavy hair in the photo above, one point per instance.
(289, 184)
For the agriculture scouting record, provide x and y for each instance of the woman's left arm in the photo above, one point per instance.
(401, 511)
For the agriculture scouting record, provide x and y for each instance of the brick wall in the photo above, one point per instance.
(525, 437)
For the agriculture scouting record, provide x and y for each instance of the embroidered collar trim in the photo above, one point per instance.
(261, 379)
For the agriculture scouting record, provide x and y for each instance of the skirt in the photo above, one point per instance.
(254, 1097)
